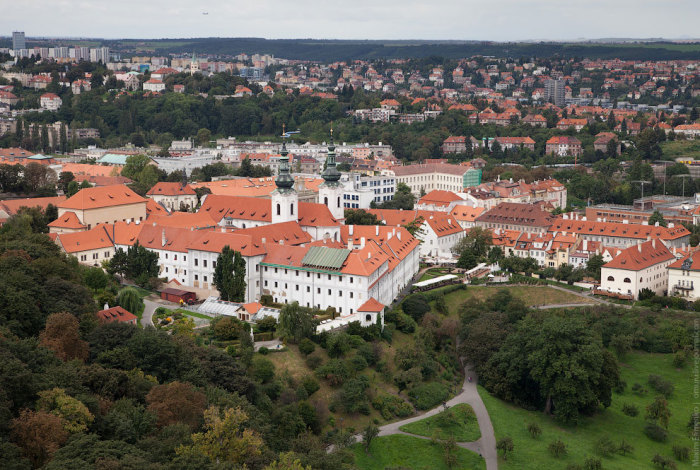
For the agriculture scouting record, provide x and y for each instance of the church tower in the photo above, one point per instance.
(194, 65)
(330, 192)
(285, 200)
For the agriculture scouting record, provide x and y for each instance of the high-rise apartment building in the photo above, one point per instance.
(18, 41)
(554, 91)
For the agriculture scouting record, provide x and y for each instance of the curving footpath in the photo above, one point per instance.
(484, 446)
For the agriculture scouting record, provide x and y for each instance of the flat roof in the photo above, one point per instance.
(435, 280)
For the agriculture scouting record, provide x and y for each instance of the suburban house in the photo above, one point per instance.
(116, 315)
(564, 145)
(50, 102)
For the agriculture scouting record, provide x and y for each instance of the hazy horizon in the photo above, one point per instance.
(452, 20)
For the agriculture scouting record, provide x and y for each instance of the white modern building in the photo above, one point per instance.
(682, 276)
(361, 190)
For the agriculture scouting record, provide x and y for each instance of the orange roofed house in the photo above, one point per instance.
(641, 266)
(104, 205)
(116, 315)
(173, 196)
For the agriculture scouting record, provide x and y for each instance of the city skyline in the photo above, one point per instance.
(502, 20)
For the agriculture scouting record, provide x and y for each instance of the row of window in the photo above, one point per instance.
(308, 288)
(308, 274)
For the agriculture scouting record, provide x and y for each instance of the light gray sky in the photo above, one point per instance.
(354, 19)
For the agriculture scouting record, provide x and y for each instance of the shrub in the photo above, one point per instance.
(263, 369)
(390, 406)
(263, 350)
(371, 352)
(655, 432)
(534, 430)
(357, 363)
(681, 453)
(310, 384)
(630, 410)
(663, 462)
(505, 445)
(415, 305)
(338, 344)
(334, 371)
(407, 378)
(306, 346)
(638, 389)
(428, 395)
(557, 448)
(661, 385)
(313, 362)
(605, 446)
(267, 323)
(353, 398)
(574, 466)
(625, 448)
(405, 324)
(591, 463)
(679, 359)
(620, 386)
(266, 300)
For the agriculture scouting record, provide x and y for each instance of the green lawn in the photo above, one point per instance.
(459, 422)
(410, 452)
(529, 453)
(531, 295)
(681, 148)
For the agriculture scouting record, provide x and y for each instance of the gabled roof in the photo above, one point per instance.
(466, 213)
(237, 207)
(687, 263)
(288, 233)
(176, 238)
(103, 196)
(641, 256)
(372, 305)
(67, 220)
(316, 215)
(116, 314)
(517, 214)
(612, 229)
(183, 219)
(11, 206)
(77, 242)
(153, 208)
(170, 189)
(123, 233)
(439, 197)
(214, 242)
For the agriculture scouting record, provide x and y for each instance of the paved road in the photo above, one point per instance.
(149, 307)
(485, 445)
(268, 344)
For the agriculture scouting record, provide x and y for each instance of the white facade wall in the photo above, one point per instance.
(435, 246)
(172, 203)
(682, 283)
(431, 181)
(627, 282)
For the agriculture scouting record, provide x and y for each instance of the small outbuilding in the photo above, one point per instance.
(178, 295)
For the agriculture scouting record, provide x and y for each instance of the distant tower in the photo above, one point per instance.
(330, 192)
(184, 178)
(18, 41)
(285, 200)
(194, 65)
(554, 92)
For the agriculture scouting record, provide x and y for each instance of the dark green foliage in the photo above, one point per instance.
(557, 448)
(415, 305)
(630, 410)
(360, 217)
(352, 396)
(681, 453)
(591, 463)
(534, 429)
(306, 346)
(334, 371)
(296, 322)
(405, 324)
(505, 446)
(137, 263)
(130, 300)
(663, 462)
(428, 395)
(661, 385)
(391, 406)
(605, 447)
(262, 370)
(310, 385)
(655, 432)
(229, 275)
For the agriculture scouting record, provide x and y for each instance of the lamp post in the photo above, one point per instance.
(665, 163)
(684, 178)
(642, 183)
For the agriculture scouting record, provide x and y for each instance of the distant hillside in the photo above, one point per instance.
(331, 50)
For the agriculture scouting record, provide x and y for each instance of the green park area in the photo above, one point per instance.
(458, 422)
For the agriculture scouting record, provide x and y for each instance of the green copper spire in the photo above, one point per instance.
(331, 175)
(284, 180)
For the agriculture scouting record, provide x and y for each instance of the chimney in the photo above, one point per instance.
(653, 243)
(376, 230)
(350, 242)
(350, 230)
(398, 235)
(639, 247)
(585, 245)
(369, 255)
(162, 238)
(362, 242)
(223, 229)
(656, 224)
(264, 240)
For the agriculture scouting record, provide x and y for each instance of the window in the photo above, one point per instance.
(205, 278)
(196, 261)
(368, 317)
(610, 278)
(279, 209)
(351, 295)
(329, 292)
(196, 277)
(275, 283)
(308, 289)
(213, 264)
(340, 293)
(318, 290)
(296, 287)
(205, 263)
(291, 208)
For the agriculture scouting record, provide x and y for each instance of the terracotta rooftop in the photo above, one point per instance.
(641, 256)
(104, 196)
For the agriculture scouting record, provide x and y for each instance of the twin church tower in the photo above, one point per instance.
(285, 201)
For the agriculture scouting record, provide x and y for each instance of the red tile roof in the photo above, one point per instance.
(68, 220)
(517, 214)
(77, 242)
(104, 196)
(237, 207)
(612, 229)
(116, 314)
(170, 189)
(438, 197)
(372, 305)
(641, 256)
(316, 215)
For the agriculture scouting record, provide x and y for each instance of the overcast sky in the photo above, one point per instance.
(354, 19)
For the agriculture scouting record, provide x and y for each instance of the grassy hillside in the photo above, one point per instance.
(533, 454)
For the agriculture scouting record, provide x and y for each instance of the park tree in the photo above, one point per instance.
(176, 402)
(360, 217)
(130, 300)
(368, 434)
(296, 322)
(225, 438)
(75, 416)
(39, 434)
(61, 335)
(229, 275)
(658, 411)
(505, 446)
(657, 217)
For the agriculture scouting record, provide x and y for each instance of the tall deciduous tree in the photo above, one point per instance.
(74, 414)
(61, 335)
(176, 402)
(296, 322)
(39, 434)
(225, 439)
(238, 286)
